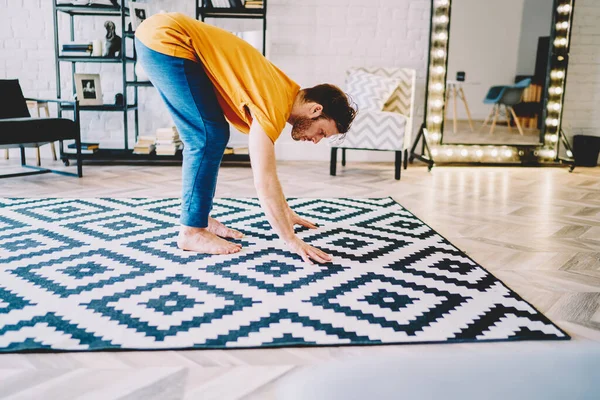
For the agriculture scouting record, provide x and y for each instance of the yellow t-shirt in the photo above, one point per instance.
(242, 77)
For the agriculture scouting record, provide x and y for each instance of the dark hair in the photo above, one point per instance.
(336, 104)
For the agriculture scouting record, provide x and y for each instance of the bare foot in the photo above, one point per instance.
(219, 229)
(202, 241)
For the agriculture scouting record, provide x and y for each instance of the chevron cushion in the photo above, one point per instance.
(370, 91)
(376, 130)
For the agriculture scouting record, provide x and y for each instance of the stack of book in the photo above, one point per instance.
(86, 148)
(144, 145)
(167, 141)
(77, 49)
(253, 4)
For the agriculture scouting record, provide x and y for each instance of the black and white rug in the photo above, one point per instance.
(104, 274)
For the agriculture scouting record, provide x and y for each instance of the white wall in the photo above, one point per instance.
(484, 42)
(535, 22)
(313, 41)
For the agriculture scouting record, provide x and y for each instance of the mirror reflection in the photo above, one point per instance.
(497, 67)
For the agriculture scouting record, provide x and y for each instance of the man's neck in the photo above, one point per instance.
(296, 108)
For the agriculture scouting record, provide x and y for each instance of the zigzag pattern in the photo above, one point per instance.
(376, 131)
(106, 274)
(402, 98)
(370, 91)
(366, 131)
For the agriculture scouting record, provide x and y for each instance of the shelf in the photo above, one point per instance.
(91, 59)
(232, 12)
(105, 107)
(98, 9)
(140, 83)
(128, 156)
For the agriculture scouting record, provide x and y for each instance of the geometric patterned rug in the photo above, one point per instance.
(106, 274)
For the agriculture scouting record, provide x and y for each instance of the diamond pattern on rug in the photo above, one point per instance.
(100, 274)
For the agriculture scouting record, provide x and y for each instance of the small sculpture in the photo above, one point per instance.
(112, 44)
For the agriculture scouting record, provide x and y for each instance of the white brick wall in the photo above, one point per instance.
(313, 41)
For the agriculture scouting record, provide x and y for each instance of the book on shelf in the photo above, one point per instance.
(253, 4)
(167, 141)
(76, 49)
(226, 4)
(146, 149)
(144, 144)
(236, 150)
(86, 3)
(85, 146)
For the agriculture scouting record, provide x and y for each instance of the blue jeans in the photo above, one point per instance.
(190, 97)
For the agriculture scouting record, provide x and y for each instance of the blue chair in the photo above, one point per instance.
(506, 96)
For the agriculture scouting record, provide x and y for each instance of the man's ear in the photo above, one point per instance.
(315, 110)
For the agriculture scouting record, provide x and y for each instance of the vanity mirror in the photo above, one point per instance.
(495, 83)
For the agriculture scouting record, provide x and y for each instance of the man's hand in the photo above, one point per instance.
(298, 220)
(307, 252)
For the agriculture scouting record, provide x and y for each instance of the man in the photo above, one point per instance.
(208, 76)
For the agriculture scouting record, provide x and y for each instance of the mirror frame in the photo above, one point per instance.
(547, 151)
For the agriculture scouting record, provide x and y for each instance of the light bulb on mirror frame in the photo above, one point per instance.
(464, 153)
(437, 87)
(494, 153)
(508, 153)
(569, 153)
(557, 74)
(560, 42)
(439, 53)
(554, 106)
(564, 9)
(437, 103)
(440, 36)
(479, 153)
(434, 152)
(442, 19)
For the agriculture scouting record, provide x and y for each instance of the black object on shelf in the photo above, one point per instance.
(586, 150)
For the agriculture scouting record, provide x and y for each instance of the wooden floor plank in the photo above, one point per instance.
(536, 229)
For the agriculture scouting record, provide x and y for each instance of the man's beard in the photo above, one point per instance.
(300, 127)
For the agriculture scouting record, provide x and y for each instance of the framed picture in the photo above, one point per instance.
(88, 89)
(138, 12)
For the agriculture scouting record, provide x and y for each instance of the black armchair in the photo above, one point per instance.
(19, 130)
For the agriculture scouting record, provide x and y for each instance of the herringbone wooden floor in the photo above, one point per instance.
(536, 229)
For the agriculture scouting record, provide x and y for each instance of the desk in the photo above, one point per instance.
(456, 89)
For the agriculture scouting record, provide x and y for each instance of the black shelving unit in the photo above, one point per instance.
(205, 9)
(125, 155)
(87, 11)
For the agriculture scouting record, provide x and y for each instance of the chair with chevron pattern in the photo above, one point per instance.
(386, 125)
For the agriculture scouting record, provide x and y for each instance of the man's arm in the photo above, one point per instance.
(272, 200)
